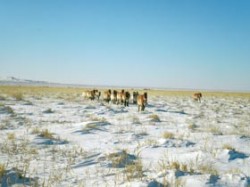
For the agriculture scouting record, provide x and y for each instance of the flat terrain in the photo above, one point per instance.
(51, 136)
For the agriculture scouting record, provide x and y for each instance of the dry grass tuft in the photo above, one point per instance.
(168, 135)
(154, 118)
(18, 96)
(46, 134)
(36, 130)
(228, 147)
(11, 136)
(121, 159)
(134, 170)
(2, 171)
(207, 169)
(192, 126)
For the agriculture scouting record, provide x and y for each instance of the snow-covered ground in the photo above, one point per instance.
(62, 140)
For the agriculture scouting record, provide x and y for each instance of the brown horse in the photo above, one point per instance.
(114, 96)
(90, 94)
(106, 95)
(197, 96)
(120, 97)
(97, 94)
(134, 97)
(142, 101)
(125, 98)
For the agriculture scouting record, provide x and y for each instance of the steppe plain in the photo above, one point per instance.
(52, 136)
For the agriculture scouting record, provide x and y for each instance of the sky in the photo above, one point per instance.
(187, 44)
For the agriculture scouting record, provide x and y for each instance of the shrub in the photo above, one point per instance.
(121, 159)
(46, 134)
(134, 170)
(175, 165)
(154, 118)
(11, 136)
(168, 135)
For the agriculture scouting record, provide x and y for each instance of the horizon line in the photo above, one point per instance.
(31, 82)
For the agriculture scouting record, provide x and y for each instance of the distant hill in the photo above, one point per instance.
(11, 80)
(16, 81)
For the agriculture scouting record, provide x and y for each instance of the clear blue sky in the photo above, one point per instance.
(193, 44)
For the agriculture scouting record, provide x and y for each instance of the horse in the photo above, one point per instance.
(142, 101)
(125, 98)
(197, 96)
(134, 97)
(90, 94)
(120, 97)
(106, 95)
(114, 96)
(97, 94)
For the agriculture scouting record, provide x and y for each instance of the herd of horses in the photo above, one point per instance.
(123, 97)
(119, 97)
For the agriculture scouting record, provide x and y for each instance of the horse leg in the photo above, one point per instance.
(143, 107)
